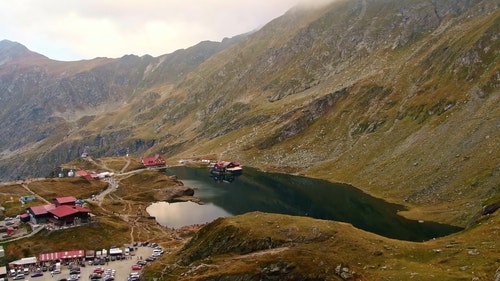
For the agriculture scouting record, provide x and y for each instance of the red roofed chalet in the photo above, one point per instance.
(83, 174)
(62, 212)
(155, 161)
(40, 214)
(68, 200)
(64, 215)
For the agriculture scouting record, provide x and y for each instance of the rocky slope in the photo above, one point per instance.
(399, 98)
(46, 104)
(258, 246)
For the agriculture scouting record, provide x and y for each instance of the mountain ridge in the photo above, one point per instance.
(398, 98)
(13, 51)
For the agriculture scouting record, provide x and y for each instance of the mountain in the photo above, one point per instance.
(13, 51)
(398, 98)
(44, 102)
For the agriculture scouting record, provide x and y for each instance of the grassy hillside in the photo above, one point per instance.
(252, 246)
(414, 123)
(259, 246)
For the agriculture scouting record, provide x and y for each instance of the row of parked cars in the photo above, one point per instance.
(157, 251)
(19, 273)
(100, 273)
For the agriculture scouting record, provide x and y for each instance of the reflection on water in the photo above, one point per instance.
(223, 177)
(185, 213)
(293, 195)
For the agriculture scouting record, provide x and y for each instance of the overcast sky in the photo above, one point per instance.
(84, 29)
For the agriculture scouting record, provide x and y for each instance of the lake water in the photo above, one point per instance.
(293, 195)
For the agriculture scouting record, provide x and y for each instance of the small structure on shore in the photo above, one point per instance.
(222, 167)
(154, 161)
(224, 171)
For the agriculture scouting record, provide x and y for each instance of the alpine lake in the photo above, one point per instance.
(254, 190)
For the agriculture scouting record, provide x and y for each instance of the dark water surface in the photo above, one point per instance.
(292, 195)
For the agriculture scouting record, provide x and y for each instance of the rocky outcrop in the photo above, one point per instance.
(486, 210)
(174, 193)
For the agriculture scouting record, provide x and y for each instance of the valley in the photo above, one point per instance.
(252, 244)
(397, 98)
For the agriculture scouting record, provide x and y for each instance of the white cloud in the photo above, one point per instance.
(73, 30)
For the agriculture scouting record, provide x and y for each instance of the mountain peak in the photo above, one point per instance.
(11, 51)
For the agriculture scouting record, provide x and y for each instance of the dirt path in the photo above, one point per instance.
(25, 186)
(125, 166)
(100, 164)
(129, 213)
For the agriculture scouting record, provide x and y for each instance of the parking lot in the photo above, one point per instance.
(121, 268)
(8, 227)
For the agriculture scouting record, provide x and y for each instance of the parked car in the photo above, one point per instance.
(136, 267)
(18, 277)
(108, 278)
(133, 276)
(74, 270)
(37, 274)
(56, 271)
(110, 271)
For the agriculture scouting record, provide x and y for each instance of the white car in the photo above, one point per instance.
(56, 271)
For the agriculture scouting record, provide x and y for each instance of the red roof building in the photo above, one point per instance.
(63, 211)
(40, 214)
(84, 174)
(81, 173)
(25, 217)
(68, 200)
(42, 209)
(65, 214)
(154, 161)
